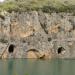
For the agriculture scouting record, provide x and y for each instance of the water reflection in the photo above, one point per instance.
(37, 67)
(10, 67)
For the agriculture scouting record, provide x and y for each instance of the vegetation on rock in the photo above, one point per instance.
(44, 5)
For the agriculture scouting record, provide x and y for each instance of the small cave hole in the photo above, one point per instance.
(11, 48)
(60, 49)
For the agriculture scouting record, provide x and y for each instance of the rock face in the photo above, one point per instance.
(43, 32)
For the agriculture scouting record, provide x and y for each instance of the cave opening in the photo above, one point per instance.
(60, 49)
(11, 48)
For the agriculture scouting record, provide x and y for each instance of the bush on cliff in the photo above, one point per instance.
(44, 5)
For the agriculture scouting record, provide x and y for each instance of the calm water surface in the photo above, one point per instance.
(37, 67)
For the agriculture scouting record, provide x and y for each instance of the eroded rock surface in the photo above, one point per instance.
(37, 30)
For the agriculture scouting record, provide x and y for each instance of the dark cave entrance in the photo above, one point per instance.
(60, 49)
(11, 48)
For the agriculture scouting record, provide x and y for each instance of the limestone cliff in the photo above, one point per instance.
(37, 35)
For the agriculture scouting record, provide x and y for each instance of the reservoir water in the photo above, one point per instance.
(37, 67)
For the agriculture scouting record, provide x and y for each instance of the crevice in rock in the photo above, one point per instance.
(42, 57)
(73, 24)
(33, 50)
(44, 28)
(43, 22)
(49, 39)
